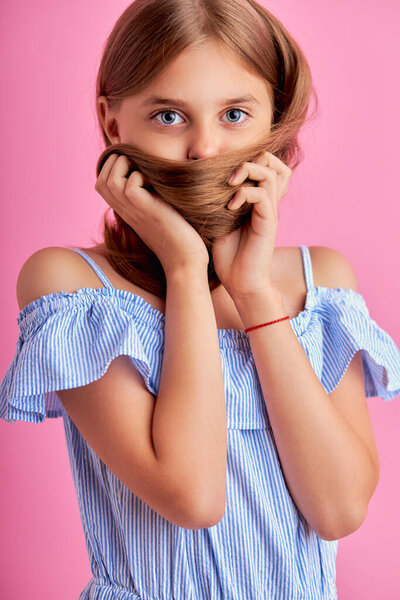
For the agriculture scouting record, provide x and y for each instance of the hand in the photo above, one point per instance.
(175, 242)
(242, 259)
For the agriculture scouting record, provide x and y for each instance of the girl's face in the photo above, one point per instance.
(197, 108)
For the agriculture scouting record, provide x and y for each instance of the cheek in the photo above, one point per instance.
(163, 148)
(148, 142)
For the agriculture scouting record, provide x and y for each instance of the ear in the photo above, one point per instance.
(108, 120)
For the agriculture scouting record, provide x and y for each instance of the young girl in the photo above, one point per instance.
(213, 389)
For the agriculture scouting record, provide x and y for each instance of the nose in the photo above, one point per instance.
(203, 144)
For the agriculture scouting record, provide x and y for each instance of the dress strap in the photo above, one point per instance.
(307, 266)
(95, 267)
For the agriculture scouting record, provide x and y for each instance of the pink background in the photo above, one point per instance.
(344, 195)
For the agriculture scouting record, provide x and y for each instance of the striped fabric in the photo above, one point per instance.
(263, 548)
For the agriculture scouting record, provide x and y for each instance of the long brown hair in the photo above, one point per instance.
(145, 39)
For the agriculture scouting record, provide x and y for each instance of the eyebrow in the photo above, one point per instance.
(158, 100)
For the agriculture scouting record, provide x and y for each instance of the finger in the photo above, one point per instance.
(113, 189)
(251, 170)
(276, 179)
(116, 180)
(134, 189)
(105, 170)
(252, 195)
(284, 172)
(131, 187)
(101, 183)
(270, 160)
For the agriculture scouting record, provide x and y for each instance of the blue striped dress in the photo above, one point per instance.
(263, 548)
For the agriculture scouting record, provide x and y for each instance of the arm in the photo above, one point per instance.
(328, 468)
(169, 449)
(189, 422)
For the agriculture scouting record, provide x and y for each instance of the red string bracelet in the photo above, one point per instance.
(263, 324)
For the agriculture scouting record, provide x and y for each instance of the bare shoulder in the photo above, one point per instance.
(331, 268)
(50, 270)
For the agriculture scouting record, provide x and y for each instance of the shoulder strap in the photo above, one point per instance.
(95, 267)
(307, 266)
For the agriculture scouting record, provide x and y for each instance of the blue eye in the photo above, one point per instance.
(237, 110)
(170, 112)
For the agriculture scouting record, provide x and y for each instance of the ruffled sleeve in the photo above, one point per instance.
(68, 340)
(337, 324)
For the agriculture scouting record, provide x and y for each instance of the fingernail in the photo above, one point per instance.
(232, 177)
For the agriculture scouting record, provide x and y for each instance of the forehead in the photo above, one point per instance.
(207, 73)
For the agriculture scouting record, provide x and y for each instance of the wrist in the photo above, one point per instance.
(260, 308)
(187, 272)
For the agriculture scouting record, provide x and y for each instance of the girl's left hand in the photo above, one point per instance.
(242, 259)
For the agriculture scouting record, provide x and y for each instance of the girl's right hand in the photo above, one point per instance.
(175, 242)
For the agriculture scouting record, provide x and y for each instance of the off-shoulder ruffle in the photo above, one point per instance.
(68, 340)
(339, 325)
